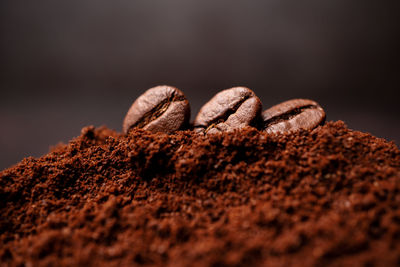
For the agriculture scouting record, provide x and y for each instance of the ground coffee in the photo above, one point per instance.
(330, 196)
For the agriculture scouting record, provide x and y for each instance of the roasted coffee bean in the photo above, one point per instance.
(293, 115)
(159, 109)
(228, 110)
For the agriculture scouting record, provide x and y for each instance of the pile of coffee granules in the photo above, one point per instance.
(326, 197)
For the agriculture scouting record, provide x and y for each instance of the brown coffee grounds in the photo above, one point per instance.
(329, 197)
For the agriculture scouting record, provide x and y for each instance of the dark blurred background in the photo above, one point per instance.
(67, 64)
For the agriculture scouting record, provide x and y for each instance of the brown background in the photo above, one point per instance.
(64, 65)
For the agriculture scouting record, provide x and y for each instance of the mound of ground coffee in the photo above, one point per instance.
(330, 196)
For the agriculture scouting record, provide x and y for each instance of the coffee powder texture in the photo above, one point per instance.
(326, 197)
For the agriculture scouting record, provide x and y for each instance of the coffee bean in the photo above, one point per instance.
(293, 115)
(159, 109)
(228, 110)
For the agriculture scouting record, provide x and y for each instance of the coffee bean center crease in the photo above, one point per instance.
(287, 115)
(158, 110)
(224, 116)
